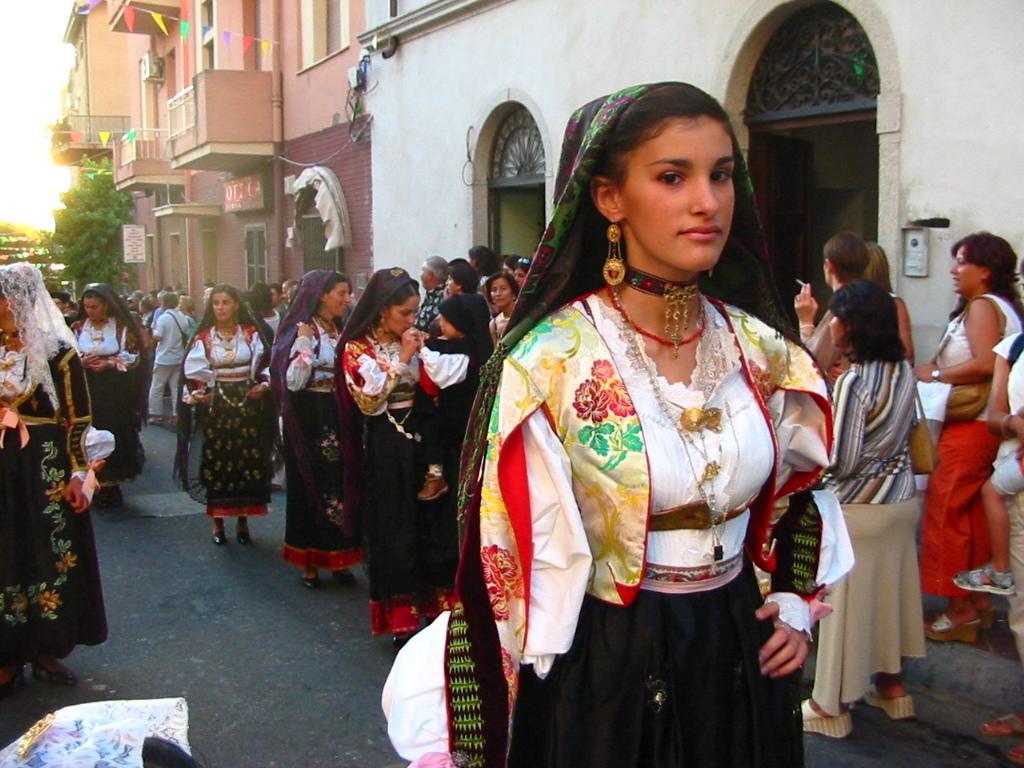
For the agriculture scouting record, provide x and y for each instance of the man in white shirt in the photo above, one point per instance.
(170, 332)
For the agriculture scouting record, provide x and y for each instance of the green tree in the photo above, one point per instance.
(89, 227)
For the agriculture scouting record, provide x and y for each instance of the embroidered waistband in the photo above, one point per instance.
(322, 387)
(677, 574)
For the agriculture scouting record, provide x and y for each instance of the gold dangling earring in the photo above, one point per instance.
(614, 267)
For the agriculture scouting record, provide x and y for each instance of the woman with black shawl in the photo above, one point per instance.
(630, 439)
(226, 422)
(112, 352)
(411, 546)
(50, 596)
(303, 369)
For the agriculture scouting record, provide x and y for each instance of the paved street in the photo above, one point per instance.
(280, 676)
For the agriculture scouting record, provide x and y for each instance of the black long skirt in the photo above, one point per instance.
(673, 681)
(50, 596)
(235, 464)
(411, 546)
(113, 408)
(313, 536)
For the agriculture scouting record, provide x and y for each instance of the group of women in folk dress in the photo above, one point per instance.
(638, 423)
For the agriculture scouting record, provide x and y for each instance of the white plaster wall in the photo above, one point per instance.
(958, 146)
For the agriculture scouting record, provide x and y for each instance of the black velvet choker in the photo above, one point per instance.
(655, 286)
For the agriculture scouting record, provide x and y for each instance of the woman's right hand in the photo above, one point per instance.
(306, 331)
(805, 305)
(412, 342)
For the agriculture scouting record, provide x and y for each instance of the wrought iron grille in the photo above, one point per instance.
(518, 149)
(819, 61)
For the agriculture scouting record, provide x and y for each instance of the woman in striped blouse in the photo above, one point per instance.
(876, 616)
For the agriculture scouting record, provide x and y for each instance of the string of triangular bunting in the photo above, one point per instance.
(184, 27)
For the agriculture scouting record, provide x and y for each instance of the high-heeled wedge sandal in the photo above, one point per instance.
(833, 726)
(944, 629)
(896, 708)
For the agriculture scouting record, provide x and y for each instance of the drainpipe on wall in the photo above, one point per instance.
(277, 106)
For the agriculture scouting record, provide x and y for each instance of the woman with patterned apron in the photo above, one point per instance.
(226, 379)
(631, 439)
(111, 348)
(50, 596)
(303, 370)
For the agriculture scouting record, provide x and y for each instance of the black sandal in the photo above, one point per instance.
(61, 676)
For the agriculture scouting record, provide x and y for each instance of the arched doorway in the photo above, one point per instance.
(811, 116)
(516, 185)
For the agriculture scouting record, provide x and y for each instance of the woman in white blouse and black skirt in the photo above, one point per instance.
(111, 351)
(227, 427)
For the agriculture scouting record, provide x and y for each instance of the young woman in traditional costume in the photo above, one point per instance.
(111, 345)
(50, 597)
(303, 368)
(228, 424)
(632, 437)
(411, 545)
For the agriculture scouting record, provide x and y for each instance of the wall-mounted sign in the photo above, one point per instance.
(247, 193)
(133, 238)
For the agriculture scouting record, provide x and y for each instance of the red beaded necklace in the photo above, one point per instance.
(644, 332)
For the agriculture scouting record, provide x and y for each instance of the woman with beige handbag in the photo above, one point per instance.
(953, 536)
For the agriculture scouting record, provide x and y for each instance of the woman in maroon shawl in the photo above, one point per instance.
(302, 377)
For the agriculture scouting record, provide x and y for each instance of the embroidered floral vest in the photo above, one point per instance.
(563, 367)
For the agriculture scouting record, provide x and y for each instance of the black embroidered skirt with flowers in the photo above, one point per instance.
(313, 535)
(50, 596)
(411, 546)
(235, 464)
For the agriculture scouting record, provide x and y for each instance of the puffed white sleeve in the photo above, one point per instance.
(126, 357)
(301, 366)
(259, 375)
(375, 378)
(444, 370)
(802, 431)
(197, 366)
(414, 694)
(561, 553)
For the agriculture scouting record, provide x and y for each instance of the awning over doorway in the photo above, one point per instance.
(330, 204)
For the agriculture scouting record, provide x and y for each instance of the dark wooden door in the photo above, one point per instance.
(781, 168)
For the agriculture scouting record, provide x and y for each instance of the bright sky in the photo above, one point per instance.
(35, 64)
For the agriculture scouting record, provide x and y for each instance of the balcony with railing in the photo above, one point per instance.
(222, 122)
(78, 136)
(141, 161)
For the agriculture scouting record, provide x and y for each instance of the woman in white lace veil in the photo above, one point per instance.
(41, 326)
(50, 595)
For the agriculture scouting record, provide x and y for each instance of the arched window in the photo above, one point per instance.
(516, 183)
(518, 156)
(818, 62)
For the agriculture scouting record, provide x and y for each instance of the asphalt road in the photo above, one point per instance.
(277, 675)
